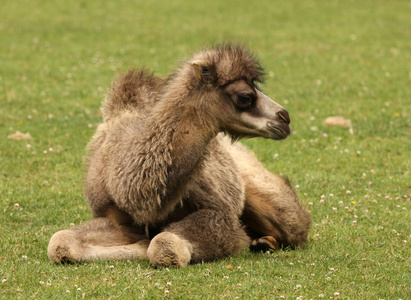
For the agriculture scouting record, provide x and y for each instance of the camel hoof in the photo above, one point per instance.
(169, 250)
(264, 243)
(63, 247)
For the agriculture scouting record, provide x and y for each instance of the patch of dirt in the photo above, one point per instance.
(19, 136)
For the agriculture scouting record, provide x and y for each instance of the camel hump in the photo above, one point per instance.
(134, 91)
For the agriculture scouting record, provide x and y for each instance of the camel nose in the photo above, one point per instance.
(283, 114)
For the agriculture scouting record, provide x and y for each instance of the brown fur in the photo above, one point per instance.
(159, 170)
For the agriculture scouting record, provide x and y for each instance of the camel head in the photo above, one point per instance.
(227, 78)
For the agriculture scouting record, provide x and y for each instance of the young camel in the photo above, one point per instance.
(164, 181)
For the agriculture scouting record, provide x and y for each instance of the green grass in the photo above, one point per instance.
(323, 58)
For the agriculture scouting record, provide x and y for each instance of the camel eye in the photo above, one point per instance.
(244, 101)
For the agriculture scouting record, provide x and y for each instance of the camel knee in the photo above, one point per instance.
(168, 249)
(64, 246)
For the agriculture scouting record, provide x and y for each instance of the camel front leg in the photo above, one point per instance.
(201, 236)
(99, 239)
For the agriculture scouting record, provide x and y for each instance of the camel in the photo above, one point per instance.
(167, 180)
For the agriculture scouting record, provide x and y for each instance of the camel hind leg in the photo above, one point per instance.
(99, 239)
(273, 213)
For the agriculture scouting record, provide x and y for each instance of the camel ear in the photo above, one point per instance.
(204, 73)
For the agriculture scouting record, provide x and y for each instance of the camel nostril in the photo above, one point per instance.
(283, 114)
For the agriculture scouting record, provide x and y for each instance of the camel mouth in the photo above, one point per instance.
(278, 132)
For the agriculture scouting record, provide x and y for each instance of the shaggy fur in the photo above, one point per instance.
(165, 184)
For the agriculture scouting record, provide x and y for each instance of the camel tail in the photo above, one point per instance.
(136, 90)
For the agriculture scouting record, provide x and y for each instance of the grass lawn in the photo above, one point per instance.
(323, 58)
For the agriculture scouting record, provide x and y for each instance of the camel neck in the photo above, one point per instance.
(189, 135)
(181, 111)
(175, 141)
